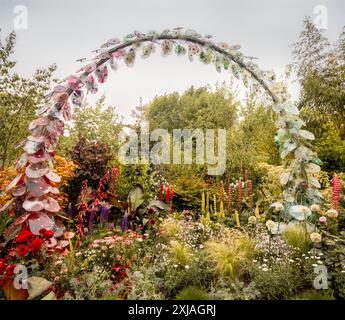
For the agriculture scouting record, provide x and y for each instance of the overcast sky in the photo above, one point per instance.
(62, 31)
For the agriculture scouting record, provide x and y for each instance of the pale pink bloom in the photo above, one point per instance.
(323, 219)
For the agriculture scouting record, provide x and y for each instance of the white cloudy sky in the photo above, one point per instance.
(62, 31)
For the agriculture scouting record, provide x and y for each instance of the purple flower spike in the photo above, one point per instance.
(124, 222)
(104, 214)
(69, 211)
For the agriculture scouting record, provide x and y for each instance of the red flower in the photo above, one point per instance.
(152, 222)
(48, 234)
(20, 239)
(2, 267)
(9, 270)
(1, 283)
(30, 237)
(22, 250)
(36, 245)
(126, 266)
(42, 231)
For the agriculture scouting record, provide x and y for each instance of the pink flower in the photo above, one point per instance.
(323, 219)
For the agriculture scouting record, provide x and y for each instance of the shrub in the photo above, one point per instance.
(280, 281)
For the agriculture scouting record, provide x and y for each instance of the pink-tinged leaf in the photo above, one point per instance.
(77, 98)
(6, 205)
(66, 112)
(14, 182)
(102, 74)
(36, 170)
(40, 221)
(53, 177)
(60, 97)
(36, 187)
(59, 231)
(11, 232)
(51, 205)
(21, 162)
(63, 243)
(19, 191)
(38, 139)
(73, 82)
(33, 205)
(51, 242)
(60, 88)
(90, 67)
(39, 156)
(43, 109)
(32, 147)
(43, 121)
(50, 147)
(119, 53)
(21, 219)
(52, 190)
(56, 127)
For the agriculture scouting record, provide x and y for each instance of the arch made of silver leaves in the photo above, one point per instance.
(35, 188)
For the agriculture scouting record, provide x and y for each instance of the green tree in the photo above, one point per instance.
(95, 123)
(195, 108)
(19, 98)
(320, 69)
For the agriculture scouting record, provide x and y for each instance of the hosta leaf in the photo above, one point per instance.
(300, 212)
(158, 204)
(136, 197)
(50, 296)
(36, 286)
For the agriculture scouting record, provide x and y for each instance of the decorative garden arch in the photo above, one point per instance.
(35, 187)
